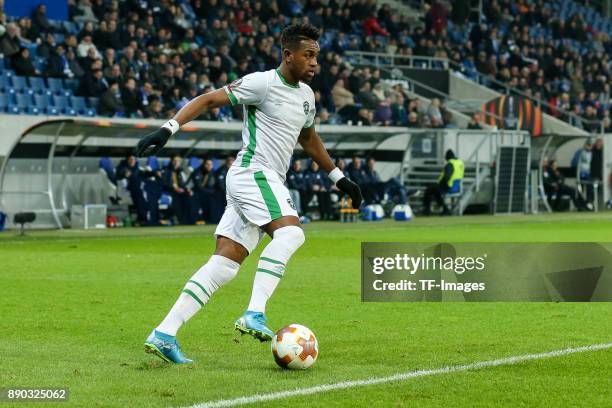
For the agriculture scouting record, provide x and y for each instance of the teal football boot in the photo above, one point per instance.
(165, 347)
(254, 323)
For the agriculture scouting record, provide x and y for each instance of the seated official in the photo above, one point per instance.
(453, 172)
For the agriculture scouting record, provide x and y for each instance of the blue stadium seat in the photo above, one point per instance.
(4, 102)
(22, 104)
(18, 85)
(42, 102)
(37, 85)
(195, 163)
(153, 163)
(106, 164)
(2, 83)
(93, 102)
(71, 84)
(78, 104)
(8, 73)
(60, 102)
(56, 86)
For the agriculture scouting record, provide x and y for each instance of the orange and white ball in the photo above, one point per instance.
(295, 347)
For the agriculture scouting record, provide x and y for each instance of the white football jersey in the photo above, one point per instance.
(275, 112)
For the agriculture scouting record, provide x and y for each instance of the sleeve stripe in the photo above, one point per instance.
(230, 95)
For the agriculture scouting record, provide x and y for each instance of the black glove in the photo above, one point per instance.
(348, 187)
(157, 138)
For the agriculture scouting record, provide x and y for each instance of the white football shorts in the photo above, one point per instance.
(255, 197)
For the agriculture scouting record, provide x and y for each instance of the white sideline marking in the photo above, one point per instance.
(397, 377)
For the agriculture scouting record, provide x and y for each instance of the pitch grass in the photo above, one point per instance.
(76, 307)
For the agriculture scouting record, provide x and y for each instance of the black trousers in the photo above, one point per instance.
(437, 192)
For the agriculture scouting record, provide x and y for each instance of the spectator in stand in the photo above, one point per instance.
(344, 101)
(131, 100)
(175, 183)
(110, 101)
(296, 183)
(40, 22)
(476, 121)
(10, 43)
(93, 84)
(154, 110)
(317, 184)
(435, 114)
(22, 65)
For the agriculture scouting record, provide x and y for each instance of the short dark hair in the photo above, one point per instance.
(293, 34)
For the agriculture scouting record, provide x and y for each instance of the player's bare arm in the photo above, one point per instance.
(313, 147)
(155, 141)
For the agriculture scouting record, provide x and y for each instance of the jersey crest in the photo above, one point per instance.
(306, 108)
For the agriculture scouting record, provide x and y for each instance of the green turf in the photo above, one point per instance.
(77, 306)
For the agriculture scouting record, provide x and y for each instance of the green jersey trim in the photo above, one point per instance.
(252, 126)
(268, 195)
(230, 95)
(284, 81)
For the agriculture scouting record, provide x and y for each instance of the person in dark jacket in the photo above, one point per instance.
(175, 183)
(22, 65)
(392, 187)
(93, 84)
(296, 183)
(597, 160)
(205, 192)
(357, 173)
(221, 174)
(317, 183)
(110, 101)
(136, 181)
(555, 188)
(130, 99)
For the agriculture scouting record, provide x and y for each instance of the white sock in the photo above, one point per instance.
(272, 264)
(215, 273)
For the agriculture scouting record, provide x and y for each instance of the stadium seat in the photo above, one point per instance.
(37, 85)
(71, 84)
(194, 163)
(106, 164)
(22, 104)
(93, 102)
(42, 102)
(4, 102)
(78, 103)
(18, 85)
(56, 86)
(60, 102)
(153, 163)
(8, 73)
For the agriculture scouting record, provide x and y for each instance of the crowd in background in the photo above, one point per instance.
(540, 48)
(148, 58)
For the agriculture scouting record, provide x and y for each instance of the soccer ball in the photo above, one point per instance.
(295, 347)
